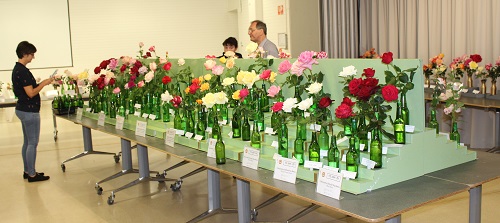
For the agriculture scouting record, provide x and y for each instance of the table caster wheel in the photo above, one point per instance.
(176, 186)
(63, 167)
(99, 190)
(111, 200)
(253, 214)
(117, 158)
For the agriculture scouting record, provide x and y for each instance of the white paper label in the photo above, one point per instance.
(137, 106)
(286, 169)
(209, 130)
(409, 128)
(119, 122)
(230, 134)
(312, 164)
(171, 111)
(370, 164)
(223, 122)
(179, 132)
(79, 114)
(394, 145)
(362, 147)
(476, 91)
(341, 140)
(140, 128)
(329, 183)
(145, 115)
(152, 116)
(250, 157)
(170, 137)
(211, 147)
(331, 168)
(344, 158)
(198, 137)
(465, 90)
(137, 113)
(88, 109)
(348, 174)
(307, 114)
(100, 120)
(188, 135)
(70, 92)
(274, 144)
(269, 131)
(384, 150)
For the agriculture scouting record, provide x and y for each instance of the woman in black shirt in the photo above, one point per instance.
(28, 107)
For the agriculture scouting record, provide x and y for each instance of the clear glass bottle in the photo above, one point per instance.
(333, 153)
(255, 138)
(399, 127)
(433, 123)
(314, 148)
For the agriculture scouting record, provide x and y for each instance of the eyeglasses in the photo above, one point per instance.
(251, 30)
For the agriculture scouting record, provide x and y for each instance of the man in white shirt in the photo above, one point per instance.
(258, 34)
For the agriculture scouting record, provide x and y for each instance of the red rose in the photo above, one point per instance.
(134, 70)
(243, 93)
(193, 88)
(166, 80)
(354, 85)
(476, 58)
(123, 68)
(387, 58)
(371, 82)
(148, 54)
(390, 93)
(176, 101)
(348, 102)
(343, 111)
(325, 102)
(368, 72)
(265, 75)
(130, 84)
(137, 64)
(112, 81)
(97, 70)
(167, 66)
(278, 106)
(366, 92)
(104, 64)
(195, 81)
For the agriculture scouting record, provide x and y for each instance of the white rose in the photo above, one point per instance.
(251, 47)
(181, 62)
(229, 53)
(166, 96)
(348, 71)
(305, 104)
(314, 88)
(289, 104)
(149, 76)
(221, 98)
(227, 81)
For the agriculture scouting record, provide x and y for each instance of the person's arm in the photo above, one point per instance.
(32, 92)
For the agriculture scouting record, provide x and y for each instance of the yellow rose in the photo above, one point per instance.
(186, 90)
(207, 77)
(236, 95)
(222, 60)
(205, 86)
(473, 65)
(209, 100)
(221, 98)
(201, 79)
(272, 78)
(230, 63)
(199, 101)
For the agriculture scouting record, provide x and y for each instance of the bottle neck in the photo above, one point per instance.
(398, 110)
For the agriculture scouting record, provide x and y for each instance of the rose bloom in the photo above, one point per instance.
(227, 81)
(289, 104)
(273, 91)
(143, 70)
(449, 109)
(193, 88)
(251, 47)
(387, 58)
(152, 66)
(355, 85)
(166, 96)
(314, 88)
(230, 63)
(476, 58)
(305, 104)
(325, 102)
(97, 70)
(390, 93)
(307, 59)
(284, 66)
(278, 106)
(272, 78)
(199, 101)
(348, 102)
(167, 66)
(297, 68)
(228, 53)
(141, 44)
(221, 98)
(149, 76)
(209, 100)
(181, 62)
(166, 80)
(207, 77)
(222, 60)
(473, 65)
(236, 95)
(265, 74)
(217, 70)
(244, 93)
(343, 111)
(321, 55)
(204, 87)
(366, 92)
(176, 101)
(209, 64)
(152, 49)
(247, 78)
(116, 90)
(368, 72)
(140, 84)
(348, 71)
(123, 68)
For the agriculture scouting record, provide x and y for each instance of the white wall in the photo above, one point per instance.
(104, 29)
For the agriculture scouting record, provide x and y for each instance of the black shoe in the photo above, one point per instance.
(37, 177)
(25, 175)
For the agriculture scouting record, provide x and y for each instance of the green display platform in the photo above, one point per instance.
(423, 153)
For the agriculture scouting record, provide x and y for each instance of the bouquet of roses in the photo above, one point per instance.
(435, 67)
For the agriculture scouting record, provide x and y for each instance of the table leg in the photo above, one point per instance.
(396, 219)
(475, 204)
(243, 201)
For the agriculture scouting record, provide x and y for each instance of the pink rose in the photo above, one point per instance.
(217, 70)
(116, 90)
(273, 91)
(140, 84)
(265, 74)
(307, 59)
(152, 66)
(243, 93)
(152, 49)
(284, 66)
(209, 64)
(297, 68)
(278, 106)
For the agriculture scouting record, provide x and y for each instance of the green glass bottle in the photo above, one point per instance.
(264, 99)
(259, 118)
(333, 153)
(112, 107)
(245, 129)
(236, 125)
(255, 139)
(165, 111)
(323, 139)
(275, 121)
(296, 111)
(347, 129)
(224, 111)
(190, 124)
(363, 133)
(131, 106)
(200, 125)
(454, 134)
(216, 130)
(178, 120)
(433, 123)
(80, 101)
(121, 111)
(376, 147)
(298, 150)
(314, 148)
(405, 112)
(283, 139)
(184, 119)
(55, 102)
(354, 137)
(301, 126)
(352, 157)
(399, 127)
(211, 113)
(220, 148)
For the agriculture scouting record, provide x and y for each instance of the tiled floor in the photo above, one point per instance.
(70, 196)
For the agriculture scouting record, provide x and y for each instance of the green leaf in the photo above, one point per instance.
(403, 78)
(271, 61)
